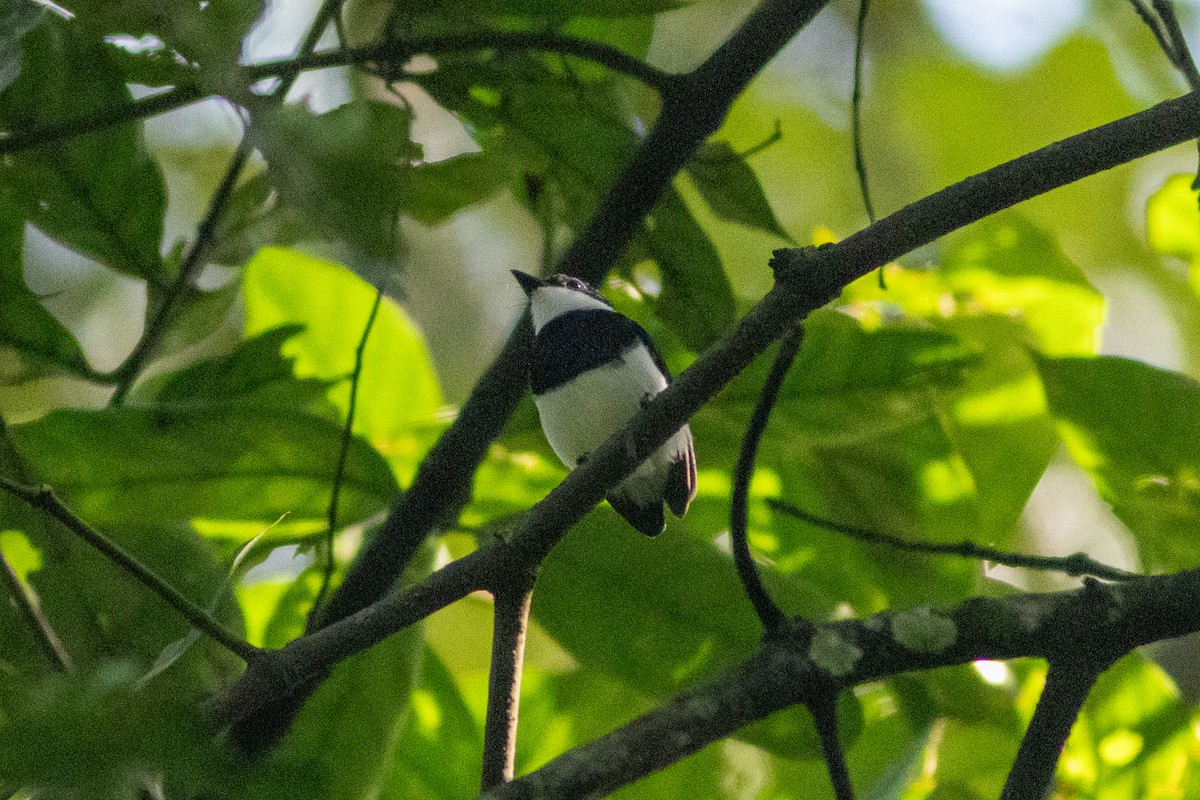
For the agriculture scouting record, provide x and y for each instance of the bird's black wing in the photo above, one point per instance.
(578, 341)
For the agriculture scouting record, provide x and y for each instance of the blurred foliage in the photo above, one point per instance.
(928, 406)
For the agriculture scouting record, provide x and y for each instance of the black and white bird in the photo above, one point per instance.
(592, 370)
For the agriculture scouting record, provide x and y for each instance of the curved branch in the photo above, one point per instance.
(768, 611)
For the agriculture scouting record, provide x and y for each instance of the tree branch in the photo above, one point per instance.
(784, 672)
(693, 109)
(42, 498)
(511, 621)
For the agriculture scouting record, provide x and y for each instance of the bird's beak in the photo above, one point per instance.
(528, 282)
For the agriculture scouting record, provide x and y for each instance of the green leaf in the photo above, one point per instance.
(629, 606)
(440, 748)
(1173, 219)
(254, 372)
(731, 189)
(432, 193)
(1133, 428)
(221, 461)
(398, 393)
(62, 738)
(696, 298)
(17, 18)
(102, 193)
(206, 33)
(1173, 223)
(25, 324)
(348, 730)
(345, 171)
(1133, 723)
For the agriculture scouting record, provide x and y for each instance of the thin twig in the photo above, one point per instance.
(766, 608)
(401, 50)
(339, 473)
(856, 136)
(1160, 18)
(511, 621)
(1076, 565)
(42, 498)
(1180, 53)
(125, 375)
(54, 132)
(31, 614)
(860, 162)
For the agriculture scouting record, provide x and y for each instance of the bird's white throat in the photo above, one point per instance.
(548, 302)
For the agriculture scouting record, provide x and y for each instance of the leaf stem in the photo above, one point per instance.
(43, 498)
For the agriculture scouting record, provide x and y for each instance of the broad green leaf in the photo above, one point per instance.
(350, 726)
(696, 299)
(63, 739)
(629, 606)
(345, 171)
(17, 18)
(25, 325)
(1000, 267)
(254, 372)
(221, 461)
(432, 193)
(1173, 223)
(398, 392)
(1134, 429)
(1133, 738)
(440, 749)
(731, 189)
(102, 193)
(209, 34)
(1173, 218)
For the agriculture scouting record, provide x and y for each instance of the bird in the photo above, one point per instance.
(591, 371)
